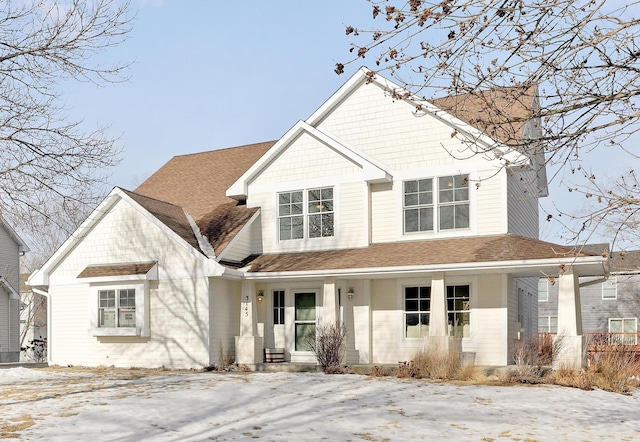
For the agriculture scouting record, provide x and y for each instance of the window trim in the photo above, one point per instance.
(141, 310)
(546, 289)
(435, 205)
(419, 312)
(613, 285)
(306, 215)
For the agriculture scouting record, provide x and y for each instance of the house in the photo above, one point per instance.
(373, 211)
(33, 323)
(609, 305)
(11, 248)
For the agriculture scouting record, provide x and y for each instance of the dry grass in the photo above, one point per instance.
(11, 429)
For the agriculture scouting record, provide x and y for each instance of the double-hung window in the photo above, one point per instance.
(278, 307)
(117, 308)
(306, 214)
(436, 202)
(417, 306)
(458, 308)
(624, 330)
(609, 289)
(543, 290)
(547, 324)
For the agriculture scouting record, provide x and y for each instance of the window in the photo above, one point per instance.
(305, 319)
(419, 203)
(625, 330)
(548, 324)
(417, 305)
(318, 217)
(543, 290)
(610, 289)
(117, 311)
(278, 307)
(458, 307)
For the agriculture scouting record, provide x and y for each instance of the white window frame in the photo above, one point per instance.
(627, 340)
(436, 203)
(118, 310)
(548, 326)
(543, 282)
(307, 214)
(141, 310)
(610, 285)
(465, 310)
(421, 333)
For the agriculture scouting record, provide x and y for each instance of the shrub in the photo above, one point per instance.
(327, 342)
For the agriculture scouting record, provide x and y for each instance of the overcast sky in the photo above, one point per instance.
(212, 74)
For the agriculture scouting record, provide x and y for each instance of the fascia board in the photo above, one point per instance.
(22, 246)
(170, 233)
(372, 169)
(238, 190)
(244, 228)
(41, 276)
(494, 266)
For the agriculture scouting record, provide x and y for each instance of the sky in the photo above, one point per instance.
(207, 75)
(107, 405)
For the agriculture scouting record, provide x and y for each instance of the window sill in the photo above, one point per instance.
(116, 331)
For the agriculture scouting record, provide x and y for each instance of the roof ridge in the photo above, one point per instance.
(224, 148)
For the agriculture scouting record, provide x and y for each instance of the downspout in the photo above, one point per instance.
(46, 295)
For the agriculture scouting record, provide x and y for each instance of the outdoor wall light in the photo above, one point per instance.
(350, 293)
(260, 295)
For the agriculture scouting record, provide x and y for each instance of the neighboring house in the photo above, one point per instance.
(363, 213)
(33, 324)
(11, 248)
(609, 306)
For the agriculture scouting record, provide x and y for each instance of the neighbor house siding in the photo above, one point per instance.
(9, 308)
(4, 322)
(523, 203)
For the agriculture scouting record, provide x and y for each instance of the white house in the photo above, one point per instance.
(11, 248)
(372, 212)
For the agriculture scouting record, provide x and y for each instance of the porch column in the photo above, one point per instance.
(330, 303)
(439, 340)
(248, 344)
(438, 323)
(569, 340)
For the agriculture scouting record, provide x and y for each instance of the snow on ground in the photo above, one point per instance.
(137, 405)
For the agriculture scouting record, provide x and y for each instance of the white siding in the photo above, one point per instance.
(224, 313)
(240, 248)
(178, 302)
(305, 158)
(352, 222)
(385, 207)
(490, 204)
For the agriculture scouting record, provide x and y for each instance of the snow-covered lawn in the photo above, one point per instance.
(137, 405)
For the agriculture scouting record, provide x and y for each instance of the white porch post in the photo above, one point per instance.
(439, 339)
(569, 339)
(248, 344)
(330, 305)
(438, 314)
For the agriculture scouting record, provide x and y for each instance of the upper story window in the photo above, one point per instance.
(609, 289)
(117, 308)
(543, 290)
(309, 211)
(441, 202)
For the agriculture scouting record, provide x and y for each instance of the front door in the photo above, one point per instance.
(305, 318)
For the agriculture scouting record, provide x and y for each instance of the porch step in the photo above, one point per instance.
(273, 355)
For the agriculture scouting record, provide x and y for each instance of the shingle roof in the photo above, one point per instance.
(170, 215)
(198, 182)
(95, 271)
(493, 248)
(625, 262)
(500, 113)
